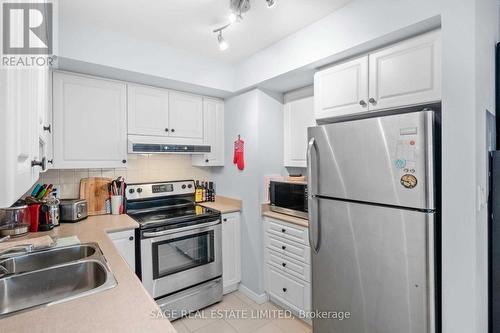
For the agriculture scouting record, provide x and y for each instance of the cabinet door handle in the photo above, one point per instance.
(131, 238)
(372, 101)
(42, 163)
(283, 247)
(50, 161)
(172, 130)
(283, 230)
(284, 290)
(124, 161)
(166, 129)
(283, 264)
(206, 161)
(362, 103)
(225, 220)
(47, 128)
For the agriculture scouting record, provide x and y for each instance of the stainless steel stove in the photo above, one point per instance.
(179, 245)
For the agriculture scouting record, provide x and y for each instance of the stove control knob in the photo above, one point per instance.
(131, 191)
(190, 185)
(183, 186)
(139, 190)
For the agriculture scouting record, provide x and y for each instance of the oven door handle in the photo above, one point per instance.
(174, 231)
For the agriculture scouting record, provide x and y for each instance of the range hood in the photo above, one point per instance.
(149, 145)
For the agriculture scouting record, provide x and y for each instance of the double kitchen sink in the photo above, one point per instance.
(51, 276)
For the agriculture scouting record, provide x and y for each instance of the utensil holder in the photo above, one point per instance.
(116, 203)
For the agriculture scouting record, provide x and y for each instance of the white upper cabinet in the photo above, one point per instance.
(22, 94)
(299, 115)
(90, 122)
(147, 111)
(213, 132)
(342, 89)
(406, 73)
(185, 116)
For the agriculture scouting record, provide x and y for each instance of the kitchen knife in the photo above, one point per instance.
(42, 192)
(36, 190)
(47, 191)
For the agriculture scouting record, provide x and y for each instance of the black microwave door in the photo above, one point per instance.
(290, 196)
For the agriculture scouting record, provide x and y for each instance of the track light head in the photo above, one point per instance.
(271, 3)
(223, 45)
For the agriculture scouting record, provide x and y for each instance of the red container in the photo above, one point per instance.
(35, 216)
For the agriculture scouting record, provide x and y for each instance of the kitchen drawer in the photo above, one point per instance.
(287, 231)
(288, 289)
(287, 265)
(290, 249)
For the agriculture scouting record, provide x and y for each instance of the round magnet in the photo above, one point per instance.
(409, 181)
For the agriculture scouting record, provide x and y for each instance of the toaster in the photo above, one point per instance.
(73, 210)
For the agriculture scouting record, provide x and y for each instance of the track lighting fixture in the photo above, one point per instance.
(237, 8)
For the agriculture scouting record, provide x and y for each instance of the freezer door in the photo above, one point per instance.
(376, 263)
(387, 160)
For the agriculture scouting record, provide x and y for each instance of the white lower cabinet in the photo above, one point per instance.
(286, 289)
(287, 264)
(124, 242)
(231, 252)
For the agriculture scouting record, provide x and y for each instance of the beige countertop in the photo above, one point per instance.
(224, 204)
(283, 217)
(126, 308)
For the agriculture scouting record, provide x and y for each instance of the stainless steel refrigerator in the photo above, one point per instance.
(372, 219)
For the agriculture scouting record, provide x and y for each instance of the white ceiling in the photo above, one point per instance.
(188, 24)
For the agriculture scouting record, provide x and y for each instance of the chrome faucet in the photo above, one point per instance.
(16, 250)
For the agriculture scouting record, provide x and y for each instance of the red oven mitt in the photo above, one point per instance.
(238, 159)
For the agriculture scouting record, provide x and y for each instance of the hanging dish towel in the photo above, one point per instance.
(239, 147)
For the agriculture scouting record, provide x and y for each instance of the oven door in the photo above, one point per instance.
(175, 259)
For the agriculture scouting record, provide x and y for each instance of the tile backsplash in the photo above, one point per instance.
(140, 168)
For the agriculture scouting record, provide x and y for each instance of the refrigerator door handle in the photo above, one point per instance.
(312, 201)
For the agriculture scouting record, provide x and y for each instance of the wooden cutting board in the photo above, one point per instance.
(95, 191)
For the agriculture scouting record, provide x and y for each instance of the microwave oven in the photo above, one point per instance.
(288, 198)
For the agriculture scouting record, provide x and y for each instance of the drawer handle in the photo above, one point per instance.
(283, 247)
(284, 290)
(283, 230)
(283, 264)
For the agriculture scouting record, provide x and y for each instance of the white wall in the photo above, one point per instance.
(258, 118)
(486, 37)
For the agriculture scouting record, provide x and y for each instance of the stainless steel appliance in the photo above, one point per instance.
(73, 210)
(180, 246)
(372, 222)
(147, 145)
(288, 198)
